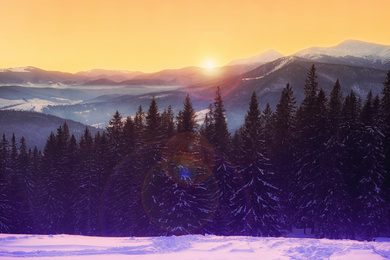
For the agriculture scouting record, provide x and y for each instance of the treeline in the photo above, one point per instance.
(323, 165)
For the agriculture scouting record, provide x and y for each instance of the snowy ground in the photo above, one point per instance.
(187, 247)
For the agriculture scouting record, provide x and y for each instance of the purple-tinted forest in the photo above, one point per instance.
(322, 165)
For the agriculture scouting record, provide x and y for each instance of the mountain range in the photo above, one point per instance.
(91, 97)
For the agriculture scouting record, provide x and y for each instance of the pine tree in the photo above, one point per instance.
(350, 136)
(311, 119)
(309, 102)
(335, 106)
(224, 171)
(179, 195)
(87, 193)
(14, 188)
(167, 123)
(177, 208)
(153, 135)
(65, 170)
(51, 210)
(385, 128)
(334, 206)
(260, 215)
(129, 136)
(34, 168)
(5, 199)
(179, 122)
(152, 128)
(115, 135)
(188, 121)
(267, 125)
(22, 191)
(371, 207)
(207, 129)
(221, 140)
(139, 121)
(282, 151)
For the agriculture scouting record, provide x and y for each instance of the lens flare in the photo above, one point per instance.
(188, 158)
(175, 208)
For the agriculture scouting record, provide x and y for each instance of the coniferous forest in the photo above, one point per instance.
(322, 165)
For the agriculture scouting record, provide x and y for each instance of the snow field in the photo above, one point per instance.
(49, 247)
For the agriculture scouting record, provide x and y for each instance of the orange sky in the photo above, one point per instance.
(75, 35)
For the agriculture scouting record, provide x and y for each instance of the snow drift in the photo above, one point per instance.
(187, 247)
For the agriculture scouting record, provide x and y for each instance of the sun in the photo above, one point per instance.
(209, 64)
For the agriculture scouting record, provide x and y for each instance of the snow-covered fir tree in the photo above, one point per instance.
(258, 214)
(282, 154)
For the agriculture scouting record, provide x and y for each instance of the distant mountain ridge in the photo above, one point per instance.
(259, 59)
(94, 101)
(113, 75)
(350, 48)
(349, 52)
(36, 127)
(32, 75)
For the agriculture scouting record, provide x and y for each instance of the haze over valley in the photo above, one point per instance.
(92, 97)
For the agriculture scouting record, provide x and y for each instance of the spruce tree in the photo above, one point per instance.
(221, 140)
(311, 135)
(167, 123)
(224, 171)
(22, 191)
(65, 170)
(334, 213)
(334, 204)
(35, 170)
(385, 127)
(188, 121)
(335, 106)
(129, 136)
(5, 199)
(115, 135)
(51, 209)
(371, 207)
(87, 191)
(282, 155)
(179, 193)
(139, 121)
(350, 136)
(152, 127)
(267, 125)
(259, 216)
(207, 129)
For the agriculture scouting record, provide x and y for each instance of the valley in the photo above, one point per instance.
(92, 97)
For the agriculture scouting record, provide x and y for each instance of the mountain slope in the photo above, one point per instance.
(267, 80)
(35, 127)
(259, 59)
(351, 52)
(114, 75)
(34, 75)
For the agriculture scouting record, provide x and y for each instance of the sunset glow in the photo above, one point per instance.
(151, 35)
(209, 64)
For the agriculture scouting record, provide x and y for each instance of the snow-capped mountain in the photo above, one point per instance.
(18, 69)
(258, 60)
(350, 52)
(32, 75)
(358, 65)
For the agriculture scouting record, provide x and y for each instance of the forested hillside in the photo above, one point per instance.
(323, 164)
